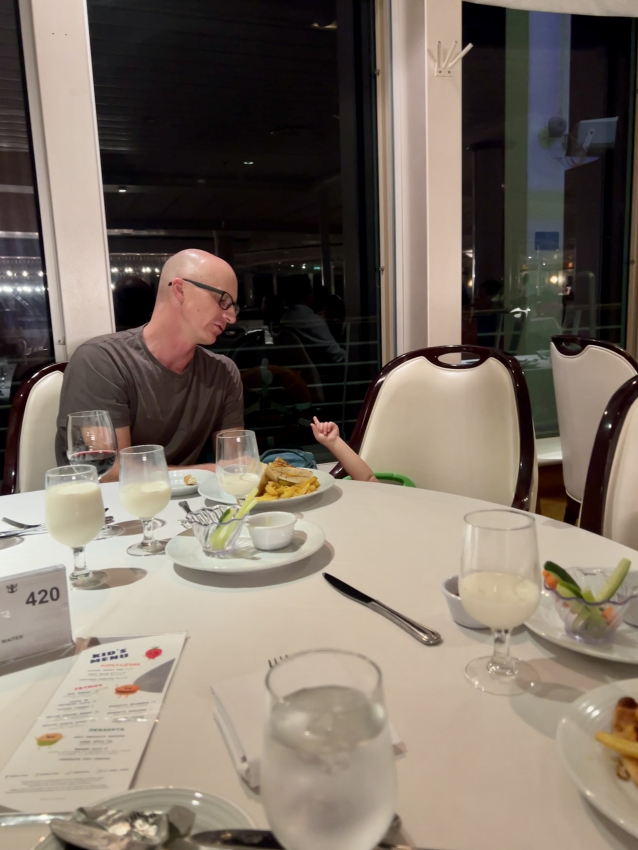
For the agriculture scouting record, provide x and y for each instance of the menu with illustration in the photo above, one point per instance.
(88, 742)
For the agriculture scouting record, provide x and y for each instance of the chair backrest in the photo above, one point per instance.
(461, 427)
(610, 505)
(587, 372)
(31, 433)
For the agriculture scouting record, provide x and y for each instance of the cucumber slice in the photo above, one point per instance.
(561, 574)
(587, 616)
(568, 590)
(614, 581)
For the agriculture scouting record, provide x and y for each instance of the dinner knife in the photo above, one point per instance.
(418, 631)
(260, 839)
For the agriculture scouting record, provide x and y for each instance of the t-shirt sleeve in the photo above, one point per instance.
(92, 381)
(232, 411)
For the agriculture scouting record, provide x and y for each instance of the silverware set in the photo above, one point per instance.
(24, 529)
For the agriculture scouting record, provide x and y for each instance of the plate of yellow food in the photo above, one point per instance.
(280, 485)
(598, 743)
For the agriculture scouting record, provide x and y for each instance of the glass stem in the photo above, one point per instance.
(501, 664)
(79, 564)
(148, 540)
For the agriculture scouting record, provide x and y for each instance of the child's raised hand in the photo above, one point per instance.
(326, 433)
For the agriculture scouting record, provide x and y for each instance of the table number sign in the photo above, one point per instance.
(34, 613)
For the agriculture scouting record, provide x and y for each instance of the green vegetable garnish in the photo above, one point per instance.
(562, 575)
(220, 535)
(612, 585)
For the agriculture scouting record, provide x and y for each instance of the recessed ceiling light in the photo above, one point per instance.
(121, 188)
(332, 26)
(248, 162)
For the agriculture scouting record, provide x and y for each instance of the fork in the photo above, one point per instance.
(273, 662)
(36, 529)
(25, 525)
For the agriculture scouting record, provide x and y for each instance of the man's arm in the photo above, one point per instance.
(232, 414)
(123, 442)
(92, 381)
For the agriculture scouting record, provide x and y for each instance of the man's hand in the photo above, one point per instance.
(326, 433)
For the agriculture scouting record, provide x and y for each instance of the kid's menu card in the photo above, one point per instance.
(88, 742)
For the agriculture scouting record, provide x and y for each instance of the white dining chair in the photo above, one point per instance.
(30, 449)
(610, 503)
(453, 418)
(587, 372)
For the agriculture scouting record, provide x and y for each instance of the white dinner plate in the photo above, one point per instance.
(546, 623)
(593, 766)
(176, 477)
(210, 489)
(307, 539)
(210, 812)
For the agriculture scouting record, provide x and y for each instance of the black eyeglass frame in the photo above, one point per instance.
(221, 292)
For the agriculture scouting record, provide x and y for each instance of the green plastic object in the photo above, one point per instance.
(390, 478)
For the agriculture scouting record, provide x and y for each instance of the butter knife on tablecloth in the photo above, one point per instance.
(416, 630)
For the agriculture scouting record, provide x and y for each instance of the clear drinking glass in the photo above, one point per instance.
(145, 490)
(91, 439)
(500, 586)
(74, 514)
(237, 462)
(327, 772)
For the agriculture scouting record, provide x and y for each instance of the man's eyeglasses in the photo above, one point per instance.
(225, 300)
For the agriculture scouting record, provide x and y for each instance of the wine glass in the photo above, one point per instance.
(238, 466)
(145, 490)
(74, 513)
(500, 586)
(91, 439)
(327, 772)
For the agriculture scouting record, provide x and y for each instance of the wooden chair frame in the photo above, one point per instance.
(524, 483)
(16, 417)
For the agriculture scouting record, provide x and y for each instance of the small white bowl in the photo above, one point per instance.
(272, 530)
(450, 588)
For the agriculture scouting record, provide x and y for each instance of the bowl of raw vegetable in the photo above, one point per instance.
(590, 602)
(218, 529)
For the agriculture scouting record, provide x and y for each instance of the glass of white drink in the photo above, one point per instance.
(237, 463)
(327, 772)
(500, 586)
(145, 490)
(74, 514)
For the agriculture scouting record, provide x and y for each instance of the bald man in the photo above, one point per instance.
(156, 382)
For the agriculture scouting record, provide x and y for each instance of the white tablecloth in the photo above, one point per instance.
(481, 773)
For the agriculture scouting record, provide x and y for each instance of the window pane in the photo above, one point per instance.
(246, 129)
(25, 326)
(547, 131)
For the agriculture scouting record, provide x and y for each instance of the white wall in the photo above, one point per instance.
(427, 172)
(67, 159)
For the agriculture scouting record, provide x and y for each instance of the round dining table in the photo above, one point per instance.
(480, 772)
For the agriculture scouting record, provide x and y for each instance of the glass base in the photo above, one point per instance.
(155, 547)
(109, 531)
(94, 580)
(522, 679)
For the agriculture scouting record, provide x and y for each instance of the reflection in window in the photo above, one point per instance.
(547, 132)
(25, 327)
(242, 129)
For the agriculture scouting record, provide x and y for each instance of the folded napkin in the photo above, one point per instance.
(240, 713)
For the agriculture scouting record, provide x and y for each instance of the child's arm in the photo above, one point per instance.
(327, 433)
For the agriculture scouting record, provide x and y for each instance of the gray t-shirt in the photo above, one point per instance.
(119, 374)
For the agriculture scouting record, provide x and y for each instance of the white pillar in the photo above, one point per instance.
(427, 168)
(67, 159)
